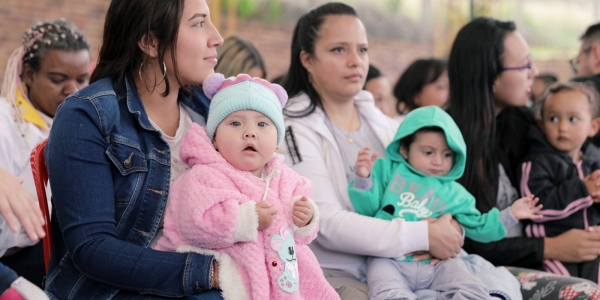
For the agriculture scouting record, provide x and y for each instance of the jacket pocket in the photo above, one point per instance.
(126, 156)
(131, 164)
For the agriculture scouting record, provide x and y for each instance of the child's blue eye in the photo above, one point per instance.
(573, 119)
(262, 124)
(553, 119)
(236, 123)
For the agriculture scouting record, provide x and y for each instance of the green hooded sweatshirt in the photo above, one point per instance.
(400, 191)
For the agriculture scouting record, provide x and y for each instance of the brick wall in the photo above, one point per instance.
(391, 56)
(16, 16)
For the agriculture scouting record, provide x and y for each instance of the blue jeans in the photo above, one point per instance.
(126, 295)
(7, 276)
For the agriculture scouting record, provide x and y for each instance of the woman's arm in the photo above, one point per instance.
(83, 189)
(574, 246)
(21, 220)
(340, 225)
(519, 251)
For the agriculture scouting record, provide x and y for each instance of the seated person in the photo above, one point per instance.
(562, 172)
(237, 56)
(261, 244)
(423, 160)
(423, 83)
(52, 63)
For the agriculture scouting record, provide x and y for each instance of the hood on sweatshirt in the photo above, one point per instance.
(431, 116)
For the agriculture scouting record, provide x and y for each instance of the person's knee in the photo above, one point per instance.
(349, 290)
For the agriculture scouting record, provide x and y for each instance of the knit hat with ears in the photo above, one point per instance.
(243, 92)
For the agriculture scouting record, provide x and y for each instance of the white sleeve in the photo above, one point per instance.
(8, 152)
(342, 229)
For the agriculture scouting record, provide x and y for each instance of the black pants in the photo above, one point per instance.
(28, 262)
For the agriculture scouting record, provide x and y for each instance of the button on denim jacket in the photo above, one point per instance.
(109, 174)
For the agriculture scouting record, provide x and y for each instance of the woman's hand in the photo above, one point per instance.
(444, 243)
(215, 275)
(574, 246)
(17, 204)
(303, 212)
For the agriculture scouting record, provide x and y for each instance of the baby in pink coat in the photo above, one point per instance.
(239, 202)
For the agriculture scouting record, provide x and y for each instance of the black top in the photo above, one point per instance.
(512, 144)
(552, 176)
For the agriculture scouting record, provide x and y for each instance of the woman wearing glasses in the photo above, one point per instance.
(491, 73)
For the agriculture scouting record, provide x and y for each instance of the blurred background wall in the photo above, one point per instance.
(399, 30)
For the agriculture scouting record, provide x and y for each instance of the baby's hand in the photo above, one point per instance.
(303, 212)
(266, 212)
(365, 162)
(525, 208)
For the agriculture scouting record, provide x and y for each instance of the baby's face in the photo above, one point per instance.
(430, 154)
(567, 121)
(247, 139)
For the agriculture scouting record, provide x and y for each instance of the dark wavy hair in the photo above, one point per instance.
(420, 73)
(474, 64)
(372, 73)
(305, 35)
(127, 22)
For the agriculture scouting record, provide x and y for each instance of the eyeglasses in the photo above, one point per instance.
(528, 66)
(574, 62)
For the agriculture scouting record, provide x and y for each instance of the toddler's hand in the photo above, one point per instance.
(365, 162)
(266, 213)
(303, 212)
(525, 208)
(592, 182)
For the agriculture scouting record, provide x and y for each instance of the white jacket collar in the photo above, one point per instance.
(379, 122)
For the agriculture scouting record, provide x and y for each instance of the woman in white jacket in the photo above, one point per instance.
(52, 62)
(329, 119)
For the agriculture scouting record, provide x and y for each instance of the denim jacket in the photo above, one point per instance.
(109, 172)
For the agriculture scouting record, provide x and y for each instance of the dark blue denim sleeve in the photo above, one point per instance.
(83, 197)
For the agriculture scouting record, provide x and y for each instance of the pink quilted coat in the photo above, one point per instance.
(211, 210)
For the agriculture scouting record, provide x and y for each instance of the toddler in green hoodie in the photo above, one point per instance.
(416, 181)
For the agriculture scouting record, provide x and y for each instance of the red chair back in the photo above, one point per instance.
(40, 177)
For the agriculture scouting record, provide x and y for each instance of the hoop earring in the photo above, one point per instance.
(155, 85)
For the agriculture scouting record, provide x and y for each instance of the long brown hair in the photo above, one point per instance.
(128, 21)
